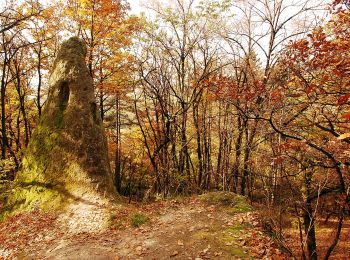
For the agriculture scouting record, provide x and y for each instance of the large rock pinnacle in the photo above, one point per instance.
(66, 159)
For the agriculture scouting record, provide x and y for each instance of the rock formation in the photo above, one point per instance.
(66, 159)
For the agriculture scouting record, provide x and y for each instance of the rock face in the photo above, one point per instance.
(66, 159)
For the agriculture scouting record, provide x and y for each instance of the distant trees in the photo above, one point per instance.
(15, 74)
(176, 58)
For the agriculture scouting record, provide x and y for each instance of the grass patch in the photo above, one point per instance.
(138, 219)
(227, 241)
(234, 203)
(231, 236)
(241, 205)
(220, 197)
(202, 235)
(236, 227)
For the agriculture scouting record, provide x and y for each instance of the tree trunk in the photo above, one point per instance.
(238, 147)
(117, 170)
(309, 220)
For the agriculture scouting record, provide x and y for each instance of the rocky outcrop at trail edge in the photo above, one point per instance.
(66, 161)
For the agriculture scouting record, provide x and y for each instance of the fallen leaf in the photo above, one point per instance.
(180, 243)
(262, 252)
(139, 250)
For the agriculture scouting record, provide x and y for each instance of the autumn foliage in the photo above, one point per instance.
(251, 97)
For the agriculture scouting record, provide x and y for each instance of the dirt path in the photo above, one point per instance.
(190, 229)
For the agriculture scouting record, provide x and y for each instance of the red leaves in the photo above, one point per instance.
(343, 99)
(346, 115)
(310, 88)
(325, 78)
(226, 87)
(293, 145)
(339, 5)
(278, 160)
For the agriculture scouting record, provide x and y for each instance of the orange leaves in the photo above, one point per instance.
(107, 30)
(276, 95)
(319, 69)
(19, 231)
(318, 37)
(340, 5)
(325, 78)
(300, 45)
(292, 145)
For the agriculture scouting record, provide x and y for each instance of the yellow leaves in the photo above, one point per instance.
(85, 3)
(344, 136)
(291, 84)
(107, 30)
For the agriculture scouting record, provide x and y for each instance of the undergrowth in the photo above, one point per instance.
(138, 219)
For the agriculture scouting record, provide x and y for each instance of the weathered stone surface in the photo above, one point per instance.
(67, 157)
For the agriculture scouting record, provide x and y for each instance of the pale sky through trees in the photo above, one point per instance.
(135, 6)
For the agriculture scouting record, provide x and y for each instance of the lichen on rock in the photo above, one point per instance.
(66, 159)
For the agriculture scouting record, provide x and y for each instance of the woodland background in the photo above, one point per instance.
(243, 96)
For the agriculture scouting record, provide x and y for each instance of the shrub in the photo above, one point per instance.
(138, 219)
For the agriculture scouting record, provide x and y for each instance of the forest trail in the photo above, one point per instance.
(186, 229)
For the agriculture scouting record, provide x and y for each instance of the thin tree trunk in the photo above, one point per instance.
(337, 235)
(238, 151)
(309, 220)
(118, 146)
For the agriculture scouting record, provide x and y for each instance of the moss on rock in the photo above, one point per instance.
(67, 156)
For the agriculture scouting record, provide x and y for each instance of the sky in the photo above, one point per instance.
(135, 6)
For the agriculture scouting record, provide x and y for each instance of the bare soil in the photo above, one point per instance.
(186, 229)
